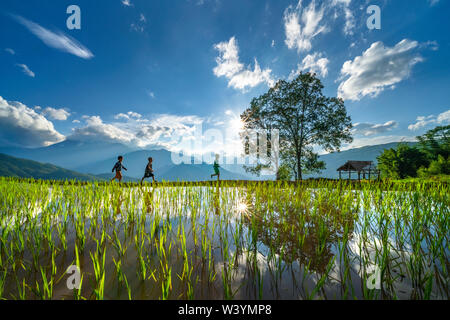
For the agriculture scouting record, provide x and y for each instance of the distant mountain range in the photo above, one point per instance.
(94, 161)
(21, 168)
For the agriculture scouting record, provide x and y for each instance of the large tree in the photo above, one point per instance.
(305, 118)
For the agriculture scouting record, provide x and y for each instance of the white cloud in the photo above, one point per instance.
(26, 70)
(96, 129)
(10, 51)
(127, 3)
(129, 115)
(423, 121)
(56, 114)
(76, 121)
(151, 94)
(315, 63)
(57, 40)
(239, 77)
(302, 25)
(160, 130)
(349, 17)
(378, 68)
(23, 126)
(369, 129)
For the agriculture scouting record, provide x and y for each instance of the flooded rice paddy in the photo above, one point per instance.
(255, 241)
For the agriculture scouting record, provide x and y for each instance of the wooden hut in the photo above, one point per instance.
(364, 167)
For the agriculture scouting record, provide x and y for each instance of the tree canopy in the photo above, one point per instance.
(304, 117)
(430, 157)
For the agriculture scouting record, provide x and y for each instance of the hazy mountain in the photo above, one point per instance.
(196, 172)
(99, 158)
(135, 162)
(21, 168)
(70, 154)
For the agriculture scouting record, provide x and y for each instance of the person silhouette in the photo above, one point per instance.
(118, 168)
(216, 168)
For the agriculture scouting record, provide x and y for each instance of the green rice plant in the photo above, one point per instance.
(99, 272)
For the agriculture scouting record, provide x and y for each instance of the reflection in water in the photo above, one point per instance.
(243, 243)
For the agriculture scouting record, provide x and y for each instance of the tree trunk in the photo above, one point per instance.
(299, 169)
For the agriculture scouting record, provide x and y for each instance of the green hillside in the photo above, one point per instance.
(21, 168)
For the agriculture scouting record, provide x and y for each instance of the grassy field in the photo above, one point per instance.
(236, 240)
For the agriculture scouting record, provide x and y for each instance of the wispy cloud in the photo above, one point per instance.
(370, 129)
(10, 51)
(139, 25)
(302, 25)
(433, 2)
(57, 40)
(127, 3)
(26, 70)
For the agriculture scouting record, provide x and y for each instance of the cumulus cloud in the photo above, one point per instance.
(369, 129)
(239, 77)
(96, 129)
(160, 130)
(10, 51)
(423, 121)
(378, 68)
(56, 114)
(315, 63)
(23, 126)
(129, 115)
(302, 25)
(57, 40)
(26, 70)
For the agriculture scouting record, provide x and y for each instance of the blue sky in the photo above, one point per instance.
(143, 72)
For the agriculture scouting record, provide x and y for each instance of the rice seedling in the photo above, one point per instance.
(254, 240)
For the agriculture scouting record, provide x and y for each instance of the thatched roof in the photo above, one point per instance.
(357, 166)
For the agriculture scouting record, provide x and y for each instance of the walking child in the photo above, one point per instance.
(118, 168)
(149, 171)
(216, 168)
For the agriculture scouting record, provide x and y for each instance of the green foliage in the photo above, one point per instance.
(436, 142)
(284, 173)
(441, 166)
(402, 162)
(304, 117)
(429, 158)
